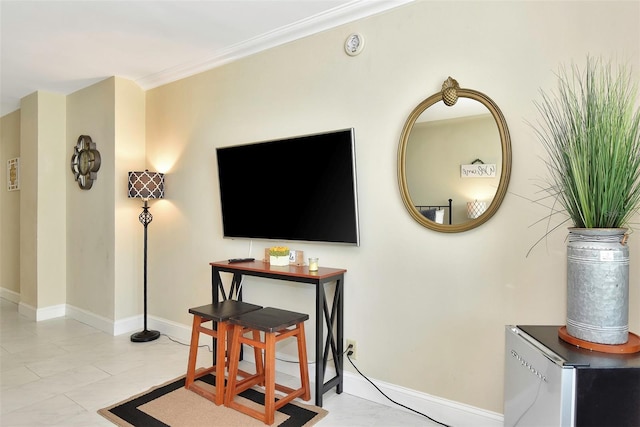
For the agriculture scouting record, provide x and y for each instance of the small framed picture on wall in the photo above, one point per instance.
(13, 174)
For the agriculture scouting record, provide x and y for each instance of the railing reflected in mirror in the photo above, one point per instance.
(454, 145)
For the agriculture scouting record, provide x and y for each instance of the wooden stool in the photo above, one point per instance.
(277, 325)
(220, 313)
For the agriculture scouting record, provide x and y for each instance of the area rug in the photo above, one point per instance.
(170, 404)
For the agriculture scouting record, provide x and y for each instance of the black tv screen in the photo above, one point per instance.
(301, 188)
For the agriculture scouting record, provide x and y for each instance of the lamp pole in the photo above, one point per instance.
(146, 335)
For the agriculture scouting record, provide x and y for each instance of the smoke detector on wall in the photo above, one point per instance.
(354, 44)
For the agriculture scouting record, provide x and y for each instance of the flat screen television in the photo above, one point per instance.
(301, 188)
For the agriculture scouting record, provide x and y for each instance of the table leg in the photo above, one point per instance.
(320, 365)
(340, 332)
(216, 285)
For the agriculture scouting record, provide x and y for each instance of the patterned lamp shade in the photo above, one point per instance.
(146, 185)
(475, 209)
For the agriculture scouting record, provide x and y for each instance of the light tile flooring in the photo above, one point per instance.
(59, 372)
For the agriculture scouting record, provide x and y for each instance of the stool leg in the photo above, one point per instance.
(228, 349)
(257, 355)
(220, 361)
(193, 351)
(302, 358)
(234, 355)
(269, 377)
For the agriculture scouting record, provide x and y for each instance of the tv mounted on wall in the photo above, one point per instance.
(301, 188)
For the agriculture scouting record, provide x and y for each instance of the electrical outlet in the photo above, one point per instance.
(353, 345)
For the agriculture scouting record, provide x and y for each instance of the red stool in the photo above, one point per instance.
(220, 313)
(276, 325)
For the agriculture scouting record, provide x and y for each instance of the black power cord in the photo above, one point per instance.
(211, 350)
(350, 352)
(188, 345)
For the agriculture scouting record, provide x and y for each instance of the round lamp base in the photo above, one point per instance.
(145, 336)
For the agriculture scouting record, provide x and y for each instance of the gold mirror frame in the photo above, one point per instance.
(449, 95)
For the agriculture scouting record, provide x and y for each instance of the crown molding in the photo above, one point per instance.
(349, 12)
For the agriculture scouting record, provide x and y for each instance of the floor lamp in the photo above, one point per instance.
(145, 185)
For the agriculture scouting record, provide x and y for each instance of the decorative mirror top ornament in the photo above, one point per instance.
(85, 162)
(439, 137)
(450, 91)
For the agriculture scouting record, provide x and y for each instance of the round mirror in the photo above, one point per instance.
(454, 159)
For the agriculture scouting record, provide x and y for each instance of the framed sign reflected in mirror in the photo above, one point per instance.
(442, 137)
(13, 174)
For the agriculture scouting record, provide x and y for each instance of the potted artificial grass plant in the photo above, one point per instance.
(590, 129)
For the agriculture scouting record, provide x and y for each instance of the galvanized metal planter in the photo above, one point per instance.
(598, 285)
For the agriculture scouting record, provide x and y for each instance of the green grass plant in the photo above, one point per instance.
(590, 129)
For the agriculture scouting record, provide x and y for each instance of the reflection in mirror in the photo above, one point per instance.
(438, 145)
(454, 160)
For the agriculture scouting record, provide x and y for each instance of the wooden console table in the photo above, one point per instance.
(333, 318)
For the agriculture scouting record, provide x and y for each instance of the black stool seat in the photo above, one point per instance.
(224, 310)
(269, 319)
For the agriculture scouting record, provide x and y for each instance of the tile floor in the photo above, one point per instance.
(59, 372)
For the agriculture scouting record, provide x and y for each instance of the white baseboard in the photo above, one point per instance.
(123, 326)
(27, 311)
(443, 410)
(91, 319)
(51, 312)
(130, 324)
(41, 314)
(9, 295)
(175, 330)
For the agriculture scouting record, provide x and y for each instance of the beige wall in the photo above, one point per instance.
(129, 152)
(9, 209)
(104, 255)
(42, 215)
(427, 310)
(90, 217)
(85, 253)
(51, 220)
(28, 200)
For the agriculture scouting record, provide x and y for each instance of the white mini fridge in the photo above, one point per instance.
(549, 382)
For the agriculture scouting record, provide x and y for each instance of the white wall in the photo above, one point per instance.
(427, 310)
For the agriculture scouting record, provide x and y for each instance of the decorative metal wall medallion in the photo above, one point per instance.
(85, 162)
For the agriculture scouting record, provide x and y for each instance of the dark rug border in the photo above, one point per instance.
(129, 412)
